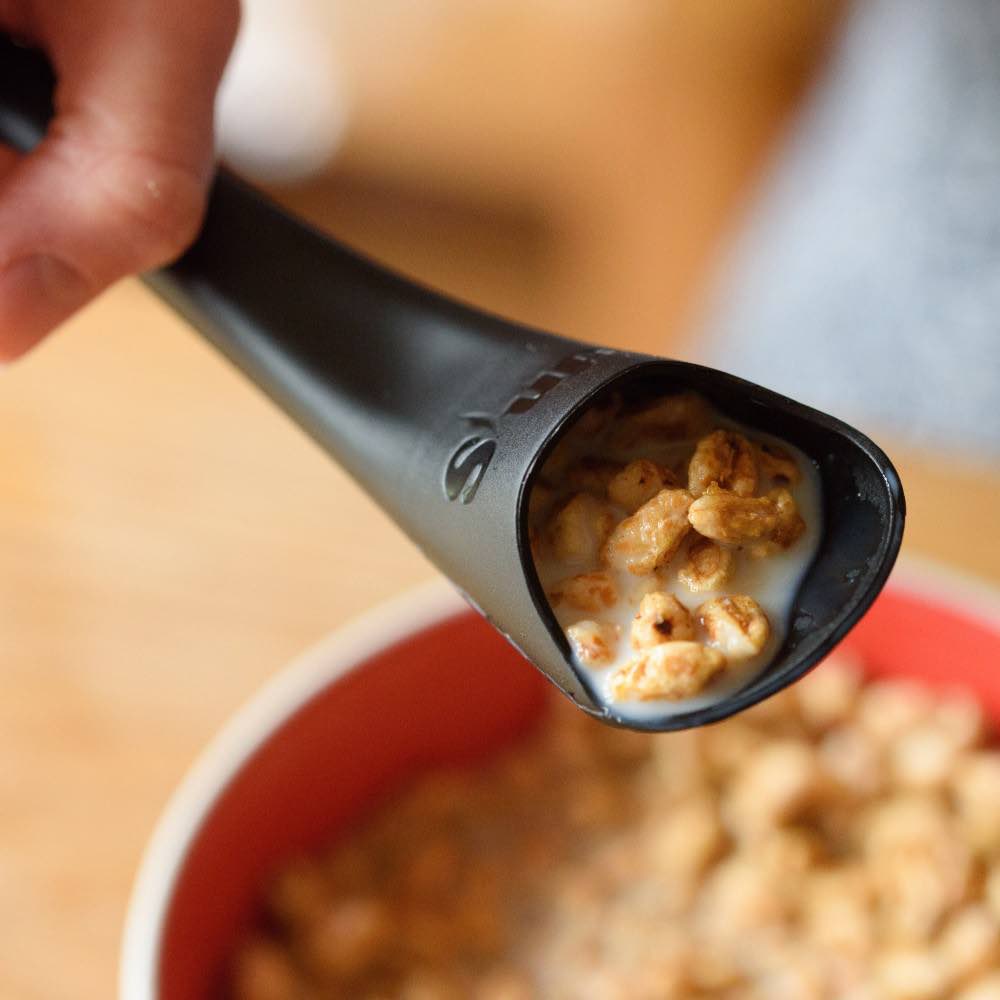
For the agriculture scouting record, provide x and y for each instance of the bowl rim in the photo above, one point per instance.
(294, 685)
(265, 711)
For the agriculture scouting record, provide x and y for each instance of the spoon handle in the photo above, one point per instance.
(366, 361)
(439, 411)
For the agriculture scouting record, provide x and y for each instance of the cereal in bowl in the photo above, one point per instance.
(840, 841)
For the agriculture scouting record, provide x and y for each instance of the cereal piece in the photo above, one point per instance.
(889, 708)
(727, 517)
(431, 938)
(826, 696)
(970, 942)
(859, 987)
(681, 414)
(348, 939)
(652, 535)
(788, 529)
(673, 418)
(672, 670)
(593, 804)
(911, 974)
(586, 591)
(591, 475)
(592, 981)
(924, 756)
(638, 483)
(593, 642)
(716, 969)
(777, 464)
(735, 625)
(853, 759)
(987, 988)
(787, 855)
(300, 893)
(737, 897)
(907, 823)
(429, 985)
(774, 786)
(661, 618)
(579, 530)
(977, 799)
(708, 566)
(837, 912)
(478, 912)
(264, 971)
(790, 526)
(433, 868)
(349, 870)
(724, 459)
(793, 974)
(991, 889)
(504, 984)
(960, 715)
(664, 975)
(919, 867)
(687, 840)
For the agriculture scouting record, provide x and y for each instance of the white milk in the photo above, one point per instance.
(771, 581)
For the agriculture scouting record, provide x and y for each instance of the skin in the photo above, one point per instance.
(118, 185)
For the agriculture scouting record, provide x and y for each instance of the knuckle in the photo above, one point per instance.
(157, 207)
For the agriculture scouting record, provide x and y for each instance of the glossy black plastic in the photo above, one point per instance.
(444, 413)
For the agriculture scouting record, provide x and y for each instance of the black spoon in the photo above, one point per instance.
(444, 414)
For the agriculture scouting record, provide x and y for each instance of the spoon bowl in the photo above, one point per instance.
(863, 511)
(444, 414)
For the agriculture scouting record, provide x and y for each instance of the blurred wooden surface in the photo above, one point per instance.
(168, 541)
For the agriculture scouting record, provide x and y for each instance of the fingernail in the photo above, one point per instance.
(36, 294)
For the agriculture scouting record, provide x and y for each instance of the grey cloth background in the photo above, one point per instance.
(867, 278)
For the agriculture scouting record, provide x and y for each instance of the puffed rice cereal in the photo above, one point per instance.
(669, 506)
(743, 861)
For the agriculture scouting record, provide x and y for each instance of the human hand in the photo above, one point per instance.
(118, 184)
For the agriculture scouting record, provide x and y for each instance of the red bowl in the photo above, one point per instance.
(417, 683)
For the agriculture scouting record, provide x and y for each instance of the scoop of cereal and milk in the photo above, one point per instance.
(670, 541)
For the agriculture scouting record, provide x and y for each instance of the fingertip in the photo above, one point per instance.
(37, 293)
